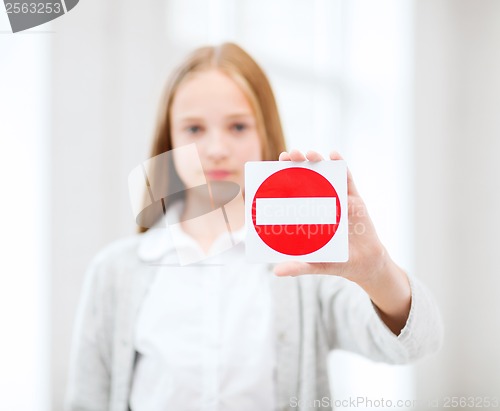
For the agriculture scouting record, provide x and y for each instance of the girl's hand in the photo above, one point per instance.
(366, 253)
(369, 265)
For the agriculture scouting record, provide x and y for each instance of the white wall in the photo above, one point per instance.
(24, 209)
(376, 138)
(457, 141)
(109, 65)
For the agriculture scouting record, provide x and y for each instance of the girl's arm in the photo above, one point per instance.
(89, 374)
(369, 265)
(352, 322)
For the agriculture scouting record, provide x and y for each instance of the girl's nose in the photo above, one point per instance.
(217, 147)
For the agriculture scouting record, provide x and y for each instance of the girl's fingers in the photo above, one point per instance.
(314, 156)
(292, 268)
(296, 155)
(351, 187)
(284, 156)
(295, 268)
(335, 155)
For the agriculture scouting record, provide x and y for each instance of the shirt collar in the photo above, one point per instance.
(157, 242)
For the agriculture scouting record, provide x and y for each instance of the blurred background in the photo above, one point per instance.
(407, 90)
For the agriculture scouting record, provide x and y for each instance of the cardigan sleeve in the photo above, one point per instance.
(89, 375)
(351, 322)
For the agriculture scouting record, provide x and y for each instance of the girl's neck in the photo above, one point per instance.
(214, 225)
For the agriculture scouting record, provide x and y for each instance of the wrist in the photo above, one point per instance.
(377, 271)
(390, 291)
(387, 282)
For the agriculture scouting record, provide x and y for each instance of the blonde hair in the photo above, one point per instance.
(241, 68)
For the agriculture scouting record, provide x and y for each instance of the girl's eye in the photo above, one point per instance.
(239, 127)
(193, 129)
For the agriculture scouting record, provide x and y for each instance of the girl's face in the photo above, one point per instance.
(210, 110)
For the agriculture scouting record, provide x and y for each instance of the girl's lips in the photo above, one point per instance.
(217, 174)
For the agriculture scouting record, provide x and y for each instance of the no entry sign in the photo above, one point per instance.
(296, 211)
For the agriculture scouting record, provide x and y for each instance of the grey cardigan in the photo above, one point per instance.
(314, 314)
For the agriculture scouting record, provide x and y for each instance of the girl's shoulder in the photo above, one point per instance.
(117, 252)
(117, 263)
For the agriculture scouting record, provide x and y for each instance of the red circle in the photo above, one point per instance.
(296, 239)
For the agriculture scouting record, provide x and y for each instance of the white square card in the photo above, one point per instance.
(296, 211)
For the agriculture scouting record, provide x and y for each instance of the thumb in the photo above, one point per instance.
(293, 268)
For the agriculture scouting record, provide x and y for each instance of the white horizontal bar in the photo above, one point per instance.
(296, 210)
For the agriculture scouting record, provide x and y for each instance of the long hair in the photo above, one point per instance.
(241, 68)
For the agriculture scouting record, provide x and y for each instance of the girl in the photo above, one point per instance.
(221, 334)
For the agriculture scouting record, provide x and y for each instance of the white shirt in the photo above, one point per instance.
(204, 332)
(312, 316)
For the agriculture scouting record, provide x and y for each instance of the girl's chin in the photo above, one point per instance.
(224, 191)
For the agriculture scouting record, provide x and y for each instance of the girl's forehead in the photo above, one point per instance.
(212, 82)
(210, 90)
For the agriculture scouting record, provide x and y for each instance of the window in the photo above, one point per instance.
(24, 235)
(341, 71)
